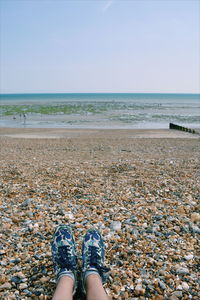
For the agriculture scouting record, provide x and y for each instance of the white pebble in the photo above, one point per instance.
(23, 286)
(179, 287)
(185, 286)
(189, 256)
(69, 216)
(116, 225)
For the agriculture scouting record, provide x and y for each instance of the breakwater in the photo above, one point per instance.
(182, 128)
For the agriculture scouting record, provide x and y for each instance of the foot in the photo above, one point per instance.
(93, 256)
(64, 253)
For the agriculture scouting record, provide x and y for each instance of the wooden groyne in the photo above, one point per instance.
(177, 127)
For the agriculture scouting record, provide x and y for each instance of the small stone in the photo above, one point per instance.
(189, 256)
(116, 225)
(189, 198)
(179, 287)
(26, 202)
(16, 279)
(36, 225)
(37, 293)
(134, 219)
(27, 292)
(178, 294)
(195, 217)
(181, 210)
(3, 263)
(139, 290)
(15, 261)
(126, 295)
(7, 220)
(69, 216)
(159, 297)
(182, 271)
(5, 286)
(23, 286)
(3, 278)
(173, 297)
(195, 229)
(20, 275)
(185, 286)
(158, 217)
(116, 289)
(44, 279)
(162, 285)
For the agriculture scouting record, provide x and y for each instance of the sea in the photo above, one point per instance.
(99, 110)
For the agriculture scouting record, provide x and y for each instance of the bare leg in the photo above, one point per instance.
(94, 288)
(64, 289)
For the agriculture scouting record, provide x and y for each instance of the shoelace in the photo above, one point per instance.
(95, 260)
(64, 258)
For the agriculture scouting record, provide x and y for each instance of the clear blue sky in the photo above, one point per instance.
(100, 46)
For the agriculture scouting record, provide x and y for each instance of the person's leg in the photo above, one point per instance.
(94, 288)
(64, 262)
(64, 289)
(93, 270)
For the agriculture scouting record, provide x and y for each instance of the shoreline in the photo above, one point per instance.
(62, 133)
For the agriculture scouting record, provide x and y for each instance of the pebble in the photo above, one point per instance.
(26, 202)
(159, 297)
(195, 229)
(162, 285)
(139, 290)
(179, 287)
(185, 286)
(16, 279)
(195, 217)
(116, 225)
(5, 286)
(182, 271)
(173, 297)
(177, 294)
(23, 286)
(189, 257)
(146, 210)
(3, 278)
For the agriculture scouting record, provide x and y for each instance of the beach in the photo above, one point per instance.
(139, 187)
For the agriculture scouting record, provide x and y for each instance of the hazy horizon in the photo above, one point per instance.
(63, 93)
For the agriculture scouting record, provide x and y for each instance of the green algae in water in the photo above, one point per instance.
(7, 110)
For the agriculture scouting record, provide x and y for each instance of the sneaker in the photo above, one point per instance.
(93, 256)
(64, 253)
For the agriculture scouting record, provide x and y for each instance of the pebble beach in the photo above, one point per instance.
(140, 188)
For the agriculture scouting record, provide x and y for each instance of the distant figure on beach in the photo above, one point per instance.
(65, 264)
(24, 116)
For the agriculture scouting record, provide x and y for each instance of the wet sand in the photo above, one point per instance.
(47, 133)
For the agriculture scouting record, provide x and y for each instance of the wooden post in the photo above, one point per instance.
(177, 127)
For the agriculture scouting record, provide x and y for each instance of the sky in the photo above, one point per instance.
(97, 46)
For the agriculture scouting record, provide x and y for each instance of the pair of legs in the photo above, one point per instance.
(65, 264)
(94, 289)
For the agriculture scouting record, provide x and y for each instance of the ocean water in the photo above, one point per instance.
(99, 110)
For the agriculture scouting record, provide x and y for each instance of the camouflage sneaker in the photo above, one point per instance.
(64, 253)
(93, 256)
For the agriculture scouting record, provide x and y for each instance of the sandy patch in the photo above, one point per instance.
(31, 133)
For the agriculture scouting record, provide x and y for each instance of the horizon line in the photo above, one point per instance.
(64, 93)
